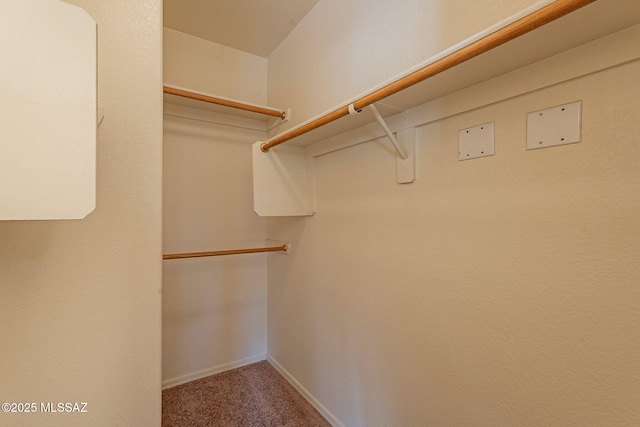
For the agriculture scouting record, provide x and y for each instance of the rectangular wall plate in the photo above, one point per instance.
(554, 126)
(477, 141)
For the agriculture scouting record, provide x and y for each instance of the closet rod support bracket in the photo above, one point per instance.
(353, 111)
(274, 122)
(406, 168)
(285, 245)
(401, 152)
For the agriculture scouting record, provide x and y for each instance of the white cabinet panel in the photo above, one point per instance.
(47, 110)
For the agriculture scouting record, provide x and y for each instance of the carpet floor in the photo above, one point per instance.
(254, 395)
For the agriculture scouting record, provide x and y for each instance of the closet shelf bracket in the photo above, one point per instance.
(390, 135)
(406, 167)
(404, 142)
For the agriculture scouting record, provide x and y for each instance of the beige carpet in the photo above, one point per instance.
(254, 395)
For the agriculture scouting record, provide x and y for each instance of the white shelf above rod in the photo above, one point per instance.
(464, 51)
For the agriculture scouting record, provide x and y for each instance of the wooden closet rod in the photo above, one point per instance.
(512, 31)
(282, 248)
(224, 102)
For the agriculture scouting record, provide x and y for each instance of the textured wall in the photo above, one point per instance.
(214, 309)
(80, 304)
(201, 65)
(499, 291)
(341, 49)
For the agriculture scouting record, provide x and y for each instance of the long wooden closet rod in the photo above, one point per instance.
(282, 248)
(224, 102)
(529, 23)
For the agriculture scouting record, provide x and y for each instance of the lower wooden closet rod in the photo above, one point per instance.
(282, 248)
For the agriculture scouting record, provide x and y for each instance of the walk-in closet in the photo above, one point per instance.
(438, 176)
(320, 212)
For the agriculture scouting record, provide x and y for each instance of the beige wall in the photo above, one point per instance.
(341, 49)
(498, 291)
(214, 309)
(193, 63)
(80, 304)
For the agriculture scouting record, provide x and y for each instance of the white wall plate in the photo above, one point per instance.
(554, 126)
(477, 141)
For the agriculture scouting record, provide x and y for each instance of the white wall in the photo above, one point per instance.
(80, 304)
(497, 291)
(214, 309)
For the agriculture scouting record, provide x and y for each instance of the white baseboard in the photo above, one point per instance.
(172, 382)
(308, 396)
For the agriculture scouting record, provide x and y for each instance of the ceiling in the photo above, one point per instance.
(254, 26)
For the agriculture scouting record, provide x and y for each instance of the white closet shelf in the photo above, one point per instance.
(218, 104)
(283, 175)
(591, 22)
